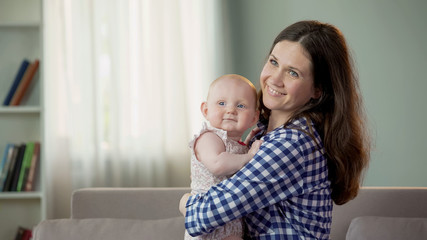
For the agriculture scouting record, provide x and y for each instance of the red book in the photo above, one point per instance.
(25, 82)
(23, 234)
(27, 234)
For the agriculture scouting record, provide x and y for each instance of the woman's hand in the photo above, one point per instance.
(183, 202)
(255, 147)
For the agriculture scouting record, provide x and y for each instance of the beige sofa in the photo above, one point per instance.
(152, 213)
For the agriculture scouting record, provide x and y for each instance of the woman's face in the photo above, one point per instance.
(287, 80)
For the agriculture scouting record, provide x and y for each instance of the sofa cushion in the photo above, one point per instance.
(110, 229)
(387, 228)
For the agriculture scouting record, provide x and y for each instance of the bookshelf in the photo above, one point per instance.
(21, 37)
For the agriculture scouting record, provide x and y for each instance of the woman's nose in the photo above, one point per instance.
(277, 78)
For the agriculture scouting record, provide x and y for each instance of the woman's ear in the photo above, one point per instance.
(204, 109)
(317, 93)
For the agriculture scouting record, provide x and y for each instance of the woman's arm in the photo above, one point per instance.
(210, 150)
(274, 174)
(224, 160)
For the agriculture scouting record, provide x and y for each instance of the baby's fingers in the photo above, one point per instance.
(251, 134)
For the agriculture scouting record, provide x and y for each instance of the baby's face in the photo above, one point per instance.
(231, 106)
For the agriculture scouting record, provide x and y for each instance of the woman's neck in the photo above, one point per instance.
(276, 120)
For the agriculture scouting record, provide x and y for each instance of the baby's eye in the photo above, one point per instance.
(222, 103)
(241, 106)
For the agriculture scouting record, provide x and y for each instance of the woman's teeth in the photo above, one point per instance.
(274, 91)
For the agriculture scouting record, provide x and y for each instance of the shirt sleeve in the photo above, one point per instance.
(275, 173)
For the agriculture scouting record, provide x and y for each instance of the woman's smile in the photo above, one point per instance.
(274, 92)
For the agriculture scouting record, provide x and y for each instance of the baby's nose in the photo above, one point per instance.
(231, 109)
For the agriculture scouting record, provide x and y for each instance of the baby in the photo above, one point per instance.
(217, 151)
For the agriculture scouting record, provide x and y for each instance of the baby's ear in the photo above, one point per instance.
(204, 108)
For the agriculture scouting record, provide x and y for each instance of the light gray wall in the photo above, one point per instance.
(388, 41)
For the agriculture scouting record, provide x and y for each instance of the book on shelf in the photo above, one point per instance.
(5, 157)
(28, 234)
(8, 180)
(4, 167)
(24, 83)
(23, 234)
(17, 168)
(25, 167)
(3, 161)
(19, 233)
(20, 167)
(35, 159)
(24, 65)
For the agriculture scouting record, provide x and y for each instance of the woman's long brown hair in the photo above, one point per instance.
(338, 114)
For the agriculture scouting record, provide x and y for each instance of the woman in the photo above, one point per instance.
(314, 149)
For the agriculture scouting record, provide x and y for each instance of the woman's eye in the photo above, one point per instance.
(293, 73)
(274, 62)
(241, 106)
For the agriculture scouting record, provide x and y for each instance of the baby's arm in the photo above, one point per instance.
(210, 150)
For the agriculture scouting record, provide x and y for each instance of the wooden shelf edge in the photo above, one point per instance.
(21, 195)
(20, 109)
(20, 24)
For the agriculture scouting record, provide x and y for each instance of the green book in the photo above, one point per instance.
(25, 167)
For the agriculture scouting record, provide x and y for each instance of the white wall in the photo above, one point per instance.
(388, 40)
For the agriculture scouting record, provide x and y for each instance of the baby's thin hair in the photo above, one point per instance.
(234, 76)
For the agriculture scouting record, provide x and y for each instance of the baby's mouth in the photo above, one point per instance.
(229, 119)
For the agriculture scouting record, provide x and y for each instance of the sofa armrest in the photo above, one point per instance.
(387, 228)
(405, 202)
(127, 203)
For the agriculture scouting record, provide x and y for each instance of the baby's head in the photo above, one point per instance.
(231, 104)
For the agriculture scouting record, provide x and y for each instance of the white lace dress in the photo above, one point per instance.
(202, 180)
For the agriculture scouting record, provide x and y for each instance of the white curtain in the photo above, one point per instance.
(123, 82)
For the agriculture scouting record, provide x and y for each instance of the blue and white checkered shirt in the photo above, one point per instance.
(282, 193)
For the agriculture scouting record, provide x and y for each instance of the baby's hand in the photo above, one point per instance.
(251, 134)
(183, 202)
(255, 147)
